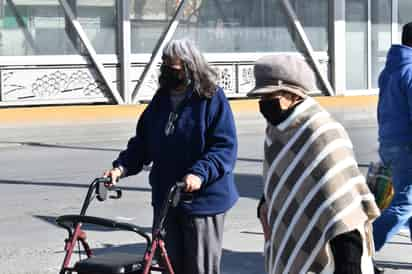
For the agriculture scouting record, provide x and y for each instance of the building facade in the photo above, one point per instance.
(108, 51)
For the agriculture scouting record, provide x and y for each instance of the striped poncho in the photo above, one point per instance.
(313, 189)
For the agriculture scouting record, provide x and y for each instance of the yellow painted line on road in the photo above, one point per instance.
(348, 101)
(114, 112)
(69, 113)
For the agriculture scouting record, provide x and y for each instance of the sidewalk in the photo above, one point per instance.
(89, 113)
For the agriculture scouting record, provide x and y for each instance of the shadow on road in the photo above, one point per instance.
(242, 262)
(254, 160)
(62, 184)
(233, 262)
(38, 144)
(394, 265)
(398, 243)
(249, 185)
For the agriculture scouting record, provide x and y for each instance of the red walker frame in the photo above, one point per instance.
(76, 234)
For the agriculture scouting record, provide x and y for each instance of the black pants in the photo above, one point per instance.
(347, 252)
(194, 243)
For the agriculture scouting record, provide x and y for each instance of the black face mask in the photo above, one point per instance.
(170, 78)
(272, 111)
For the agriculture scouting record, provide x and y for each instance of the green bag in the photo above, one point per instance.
(379, 180)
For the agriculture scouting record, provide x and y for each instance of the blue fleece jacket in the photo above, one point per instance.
(204, 143)
(395, 97)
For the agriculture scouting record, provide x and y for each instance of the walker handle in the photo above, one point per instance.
(176, 193)
(180, 185)
(103, 186)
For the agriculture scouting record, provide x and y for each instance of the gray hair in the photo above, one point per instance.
(204, 77)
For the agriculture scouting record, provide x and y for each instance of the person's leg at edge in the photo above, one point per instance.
(400, 210)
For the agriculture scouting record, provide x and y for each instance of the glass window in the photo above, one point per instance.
(227, 26)
(356, 44)
(39, 27)
(381, 36)
(33, 28)
(230, 25)
(98, 19)
(314, 14)
(148, 21)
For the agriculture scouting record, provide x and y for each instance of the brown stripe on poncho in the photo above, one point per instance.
(313, 189)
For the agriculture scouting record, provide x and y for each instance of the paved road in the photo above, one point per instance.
(45, 170)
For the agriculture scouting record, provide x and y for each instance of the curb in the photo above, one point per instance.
(91, 113)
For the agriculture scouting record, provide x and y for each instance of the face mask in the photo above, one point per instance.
(272, 111)
(170, 78)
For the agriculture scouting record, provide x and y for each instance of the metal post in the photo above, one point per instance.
(338, 46)
(164, 39)
(123, 16)
(1, 39)
(1, 11)
(71, 33)
(369, 47)
(27, 35)
(1, 85)
(291, 15)
(90, 50)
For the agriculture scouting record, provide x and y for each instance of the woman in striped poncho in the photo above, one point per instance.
(316, 204)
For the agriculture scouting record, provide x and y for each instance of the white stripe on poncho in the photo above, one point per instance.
(313, 189)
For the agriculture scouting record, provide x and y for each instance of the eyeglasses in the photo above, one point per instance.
(170, 125)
